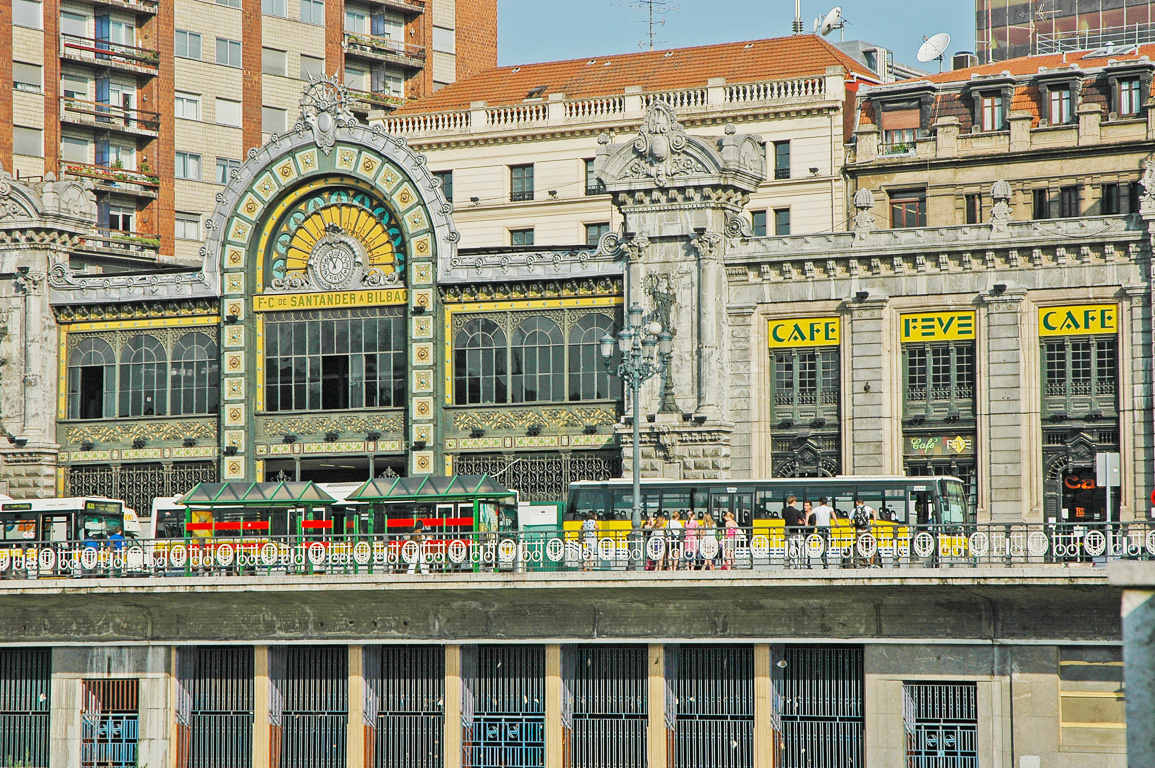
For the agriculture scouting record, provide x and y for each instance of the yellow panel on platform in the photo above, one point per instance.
(939, 326)
(805, 332)
(1079, 320)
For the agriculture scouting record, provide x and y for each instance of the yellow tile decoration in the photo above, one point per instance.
(423, 298)
(235, 282)
(416, 220)
(235, 415)
(388, 178)
(235, 437)
(234, 257)
(422, 327)
(369, 164)
(423, 432)
(423, 353)
(234, 469)
(423, 380)
(286, 171)
(422, 408)
(235, 307)
(422, 273)
(250, 206)
(307, 160)
(234, 362)
(266, 186)
(239, 231)
(234, 336)
(405, 197)
(423, 462)
(235, 389)
(346, 158)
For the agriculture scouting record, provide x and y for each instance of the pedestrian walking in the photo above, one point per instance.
(418, 536)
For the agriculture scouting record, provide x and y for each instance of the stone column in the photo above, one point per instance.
(261, 733)
(711, 301)
(871, 417)
(883, 728)
(453, 692)
(64, 720)
(355, 739)
(766, 741)
(656, 731)
(554, 735)
(1011, 454)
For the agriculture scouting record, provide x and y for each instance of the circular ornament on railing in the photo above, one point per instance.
(458, 551)
(815, 544)
(1095, 543)
(47, 559)
(979, 544)
(1151, 543)
(177, 556)
(362, 553)
(225, 555)
(409, 552)
(708, 547)
(867, 545)
(923, 544)
(1037, 543)
(555, 550)
(760, 546)
(655, 548)
(134, 557)
(380, 553)
(269, 554)
(506, 551)
(607, 549)
(317, 553)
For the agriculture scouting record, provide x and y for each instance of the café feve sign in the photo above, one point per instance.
(1079, 320)
(805, 332)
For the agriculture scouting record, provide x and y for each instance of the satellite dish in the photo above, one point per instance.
(817, 26)
(831, 22)
(934, 47)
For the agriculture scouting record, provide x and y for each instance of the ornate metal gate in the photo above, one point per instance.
(605, 691)
(541, 478)
(315, 708)
(714, 690)
(215, 693)
(138, 484)
(109, 722)
(941, 725)
(822, 708)
(25, 703)
(405, 705)
(507, 727)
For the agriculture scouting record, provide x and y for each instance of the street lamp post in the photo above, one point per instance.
(637, 342)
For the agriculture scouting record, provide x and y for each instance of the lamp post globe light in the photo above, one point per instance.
(637, 342)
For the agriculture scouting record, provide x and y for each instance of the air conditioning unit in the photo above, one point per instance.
(964, 59)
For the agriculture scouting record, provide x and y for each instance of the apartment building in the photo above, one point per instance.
(1009, 29)
(157, 103)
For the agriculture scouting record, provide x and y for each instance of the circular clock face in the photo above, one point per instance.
(335, 264)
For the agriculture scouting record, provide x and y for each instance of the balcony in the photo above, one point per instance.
(138, 6)
(120, 181)
(405, 6)
(102, 53)
(385, 50)
(109, 117)
(364, 102)
(120, 244)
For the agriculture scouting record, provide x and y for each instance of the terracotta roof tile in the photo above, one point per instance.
(1029, 65)
(780, 58)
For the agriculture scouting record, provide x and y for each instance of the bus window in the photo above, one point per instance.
(17, 527)
(922, 500)
(954, 502)
(55, 528)
(893, 505)
(623, 504)
(587, 500)
(764, 506)
(700, 498)
(674, 501)
(843, 502)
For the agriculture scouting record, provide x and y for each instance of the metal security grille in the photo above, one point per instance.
(137, 484)
(315, 707)
(822, 708)
(941, 725)
(541, 478)
(508, 719)
(25, 703)
(714, 691)
(605, 705)
(405, 705)
(109, 721)
(215, 691)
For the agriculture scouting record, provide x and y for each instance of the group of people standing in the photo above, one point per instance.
(694, 541)
(820, 519)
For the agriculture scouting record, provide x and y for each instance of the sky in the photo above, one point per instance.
(530, 31)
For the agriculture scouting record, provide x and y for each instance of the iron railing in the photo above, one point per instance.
(887, 547)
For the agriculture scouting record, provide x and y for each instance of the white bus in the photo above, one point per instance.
(67, 519)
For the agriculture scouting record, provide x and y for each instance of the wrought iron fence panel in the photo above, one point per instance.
(608, 688)
(315, 714)
(941, 725)
(408, 686)
(822, 707)
(25, 704)
(508, 723)
(219, 685)
(714, 686)
(219, 740)
(409, 741)
(109, 723)
(311, 740)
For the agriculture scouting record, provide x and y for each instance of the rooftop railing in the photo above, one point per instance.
(557, 110)
(887, 549)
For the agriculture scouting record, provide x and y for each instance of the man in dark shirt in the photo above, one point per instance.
(795, 530)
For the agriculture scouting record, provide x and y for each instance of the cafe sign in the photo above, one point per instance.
(940, 445)
(1079, 320)
(805, 332)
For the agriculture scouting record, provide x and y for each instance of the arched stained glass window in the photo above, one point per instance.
(537, 361)
(589, 379)
(92, 380)
(479, 363)
(195, 375)
(143, 377)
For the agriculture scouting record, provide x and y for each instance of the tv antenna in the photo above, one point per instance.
(934, 47)
(654, 8)
(831, 22)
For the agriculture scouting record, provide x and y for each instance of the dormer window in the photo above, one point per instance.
(900, 127)
(991, 112)
(1129, 99)
(1059, 106)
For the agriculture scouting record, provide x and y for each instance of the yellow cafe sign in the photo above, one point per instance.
(805, 332)
(939, 326)
(1079, 320)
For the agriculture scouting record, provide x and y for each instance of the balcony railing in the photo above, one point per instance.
(368, 100)
(385, 49)
(117, 180)
(115, 243)
(887, 549)
(110, 117)
(107, 54)
(408, 6)
(140, 6)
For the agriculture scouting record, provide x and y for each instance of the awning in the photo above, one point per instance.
(245, 493)
(429, 488)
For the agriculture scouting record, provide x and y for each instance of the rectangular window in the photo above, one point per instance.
(782, 159)
(27, 141)
(446, 178)
(1109, 200)
(387, 25)
(1129, 97)
(758, 223)
(1134, 198)
(521, 182)
(1040, 204)
(228, 112)
(27, 77)
(594, 233)
(186, 106)
(974, 208)
(313, 11)
(229, 52)
(187, 226)
(781, 221)
(594, 185)
(74, 86)
(274, 8)
(230, 3)
(992, 112)
(899, 140)
(355, 78)
(1059, 111)
(908, 208)
(521, 236)
(74, 24)
(28, 13)
(225, 167)
(387, 81)
(356, 21)
(312, 67)
(74, 150)
(272, 120)
(1068, 202)
(444, 40)
(272, 62)
(188, 166)
(188, 45)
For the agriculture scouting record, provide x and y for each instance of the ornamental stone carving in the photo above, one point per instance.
(324, 109)
(661, 145)
(1001, 208)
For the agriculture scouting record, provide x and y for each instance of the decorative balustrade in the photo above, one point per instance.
(119, 180)
(521, 114)
(385, 48)
(887, 550)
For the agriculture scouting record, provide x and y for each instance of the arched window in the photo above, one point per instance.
(479, 363)
(195, 377)
(92, 380)
(143, 377)
(588, 377)
(537, 361)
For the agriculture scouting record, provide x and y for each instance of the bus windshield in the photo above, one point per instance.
(954, 510)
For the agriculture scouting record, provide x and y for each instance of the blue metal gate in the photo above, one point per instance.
(941, 725)
(405, 705)
(25, 702)
(605, 705)
(714, 691)
(314, 707)
(109, 721)
(507, 724)
(822, 707)
(214, 712)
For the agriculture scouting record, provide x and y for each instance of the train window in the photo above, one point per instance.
(623, 504)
